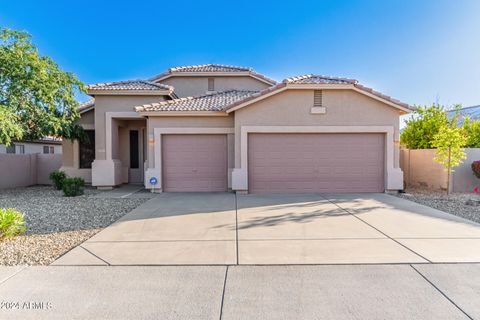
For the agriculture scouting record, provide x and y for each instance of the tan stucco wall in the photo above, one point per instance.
(87, 118)
(421, 171)
(194, 86)
(96, 119)
(190, 122)
(187, 122)
(292, 108)
(67, 154)
(105, 104)
(87, 121)
(123, 147)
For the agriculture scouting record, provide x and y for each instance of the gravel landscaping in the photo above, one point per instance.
(55, 224)
(465, 205)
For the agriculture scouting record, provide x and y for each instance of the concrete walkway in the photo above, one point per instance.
(229, 229)
(425, 291)
(126, 191)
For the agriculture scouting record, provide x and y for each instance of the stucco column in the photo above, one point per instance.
(154, 159)
(106, 173)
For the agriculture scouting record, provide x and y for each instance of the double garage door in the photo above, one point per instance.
(317, 162)
(277, 162)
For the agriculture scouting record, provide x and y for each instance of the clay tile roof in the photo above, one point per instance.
(212, 68)
(209, 68)
(129, 85)
(318, 79)
(209, 102)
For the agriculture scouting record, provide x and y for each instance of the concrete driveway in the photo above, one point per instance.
(229, 229)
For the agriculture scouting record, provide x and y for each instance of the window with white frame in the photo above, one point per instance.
(11, 149)
(20, 149)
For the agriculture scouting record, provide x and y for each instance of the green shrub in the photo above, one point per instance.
(57, 177)
(12, 223)
(73, 187)
(422, 126)
(472, 127)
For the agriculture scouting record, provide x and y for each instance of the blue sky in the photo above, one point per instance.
(418, 51)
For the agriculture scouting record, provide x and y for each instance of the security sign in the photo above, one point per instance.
(153, 181)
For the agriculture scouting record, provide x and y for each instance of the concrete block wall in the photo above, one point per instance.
(22, 170)
(421, 171)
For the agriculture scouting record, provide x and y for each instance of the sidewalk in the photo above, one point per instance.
(423, 291)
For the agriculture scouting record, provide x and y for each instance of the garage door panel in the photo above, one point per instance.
(316, 162)
(194, 163)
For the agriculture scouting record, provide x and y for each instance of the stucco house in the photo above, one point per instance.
(46, 145)
(212, 127)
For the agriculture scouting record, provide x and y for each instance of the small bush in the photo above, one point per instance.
(73, 187)
(57, 177)
(12, 223)
(476, 168)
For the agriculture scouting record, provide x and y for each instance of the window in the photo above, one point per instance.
(11, 149)
(20, 149)
(87, 150)
(134, 156)
(211, 84)
(48, 149)
(317, 98)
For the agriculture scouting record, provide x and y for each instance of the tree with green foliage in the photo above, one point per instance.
(37, 98)
(423, 125)
(472, 128)
(450, 142)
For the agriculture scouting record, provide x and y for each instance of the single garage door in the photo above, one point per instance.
(320, 162)
(194, 163)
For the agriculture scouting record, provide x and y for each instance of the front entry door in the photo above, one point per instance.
(135, 171)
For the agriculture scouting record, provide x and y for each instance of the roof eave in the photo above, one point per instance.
(84, 110)
(100, 92)
(213, 74)
(401, 106)
(182, 113)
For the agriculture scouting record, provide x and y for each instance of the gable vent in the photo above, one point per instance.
(211, 84)
(317, 98)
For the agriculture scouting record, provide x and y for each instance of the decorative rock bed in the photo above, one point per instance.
(465, 205)
(55, 224)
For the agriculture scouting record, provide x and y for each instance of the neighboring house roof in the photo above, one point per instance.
(44, 140)
(130, 85)
(212, 69)
(472, 112)
(319, 82)
(209, 102)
